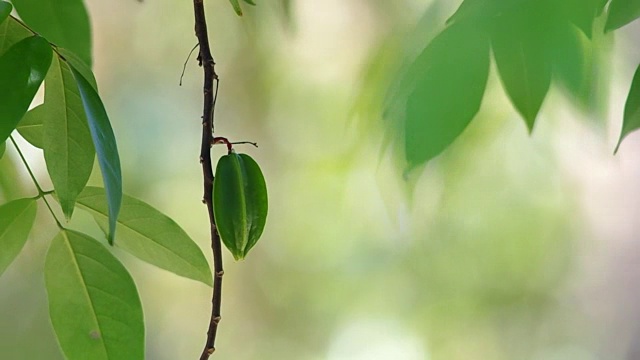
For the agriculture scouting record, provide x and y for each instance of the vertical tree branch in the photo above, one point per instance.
(210, 94)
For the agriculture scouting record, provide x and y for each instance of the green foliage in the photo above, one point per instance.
(93, 302)
(79, 65)
(64, 22)
(16, 221)
(240, 202)
(31, 127)
(525, 68)
(533, 43)
(448, 81)
(149, 235)
(631, 109)
(622, 12)
(11, 31)
(68, 147)
(22, 70)
(236, 5)
(572, 57)
(5, 10)
(94, 306)
(105, 144)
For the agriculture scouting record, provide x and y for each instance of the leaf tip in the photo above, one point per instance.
(615, 151)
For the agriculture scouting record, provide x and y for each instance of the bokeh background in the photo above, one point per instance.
(507, 246)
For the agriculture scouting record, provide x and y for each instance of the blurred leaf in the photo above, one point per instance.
(286, 10)
(631, 120)
(105, 146)
(236, 7)
(446, 84)
(68, 147)
(581, 13)
(79, 65)
(63, 22)
(150, 235)
(521, 56)
(30, 127)
(622, 12)
(16, 221)
(5, 10)
(93, 302)
(483, 11)
(11, 31)
(3, 148)
(240, 202)
(22, 70)
(572, 61)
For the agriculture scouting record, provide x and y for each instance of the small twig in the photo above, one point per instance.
(223, 140)
(245, 143)
(41, 193)
(184, 67)
(205, 59)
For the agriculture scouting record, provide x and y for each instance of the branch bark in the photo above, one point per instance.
(210, 95)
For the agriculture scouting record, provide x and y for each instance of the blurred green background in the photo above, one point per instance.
(507, 246)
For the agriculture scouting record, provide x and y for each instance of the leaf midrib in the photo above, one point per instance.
(85, 290)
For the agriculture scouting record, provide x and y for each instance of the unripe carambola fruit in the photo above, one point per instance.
(239, 202)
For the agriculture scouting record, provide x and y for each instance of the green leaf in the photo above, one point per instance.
(79, 65)
(621, 13)
(30, 127)
(445, 84)
(572, 61)
(105, 144)
(631, 120)
(150, 235)
(93, 302)
(16, 221)
(240, 202)
(520, 52)
(11, 31)
(236, 7)
(68, 147)
(5, 10)
(3, 148)
(22, 70)
(581, 13)
(63, 22)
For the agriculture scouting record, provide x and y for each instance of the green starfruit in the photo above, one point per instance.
(239, 202)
